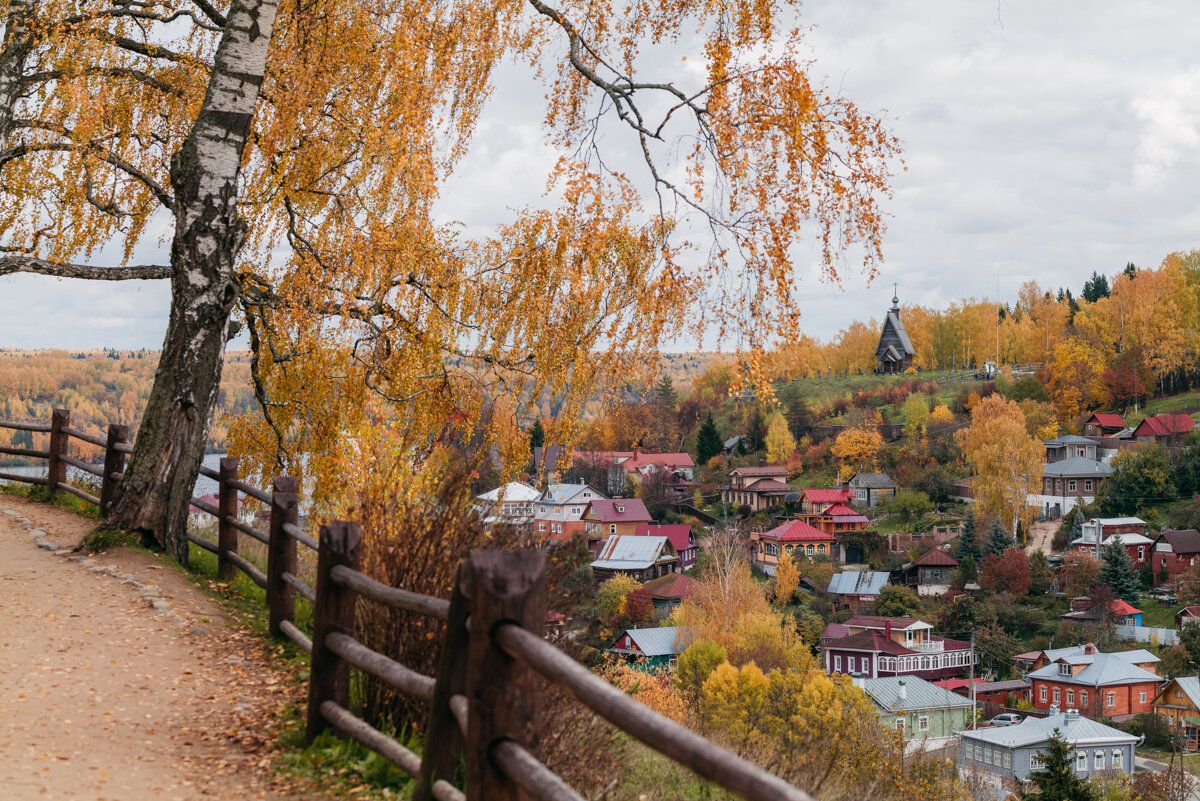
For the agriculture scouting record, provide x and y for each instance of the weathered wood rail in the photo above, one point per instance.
(485, 701)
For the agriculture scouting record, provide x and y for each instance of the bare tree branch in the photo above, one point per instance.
(134, 272)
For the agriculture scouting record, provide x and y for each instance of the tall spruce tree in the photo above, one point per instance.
(708, 441)
(1117, 571)
(967, 544)
(1057, 781)
(997, 541)
(537, 435)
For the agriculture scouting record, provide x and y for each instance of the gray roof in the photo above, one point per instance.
(873, 480)
(1070, 439)
(1191, 688)
(733, 441)
(1076, 730)
(898, 327)
(630, 552)
(654, 642)
(853, 582)
(1102, 670)
(561, 493)
(1137, 655)
(919, 694)
(1076, 466)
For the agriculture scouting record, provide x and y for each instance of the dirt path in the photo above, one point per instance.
(1041, 535)
(103, 696)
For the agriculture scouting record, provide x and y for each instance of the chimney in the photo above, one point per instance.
(1054, 709)
(1072, 715)
(1089, 649)
(903, 691)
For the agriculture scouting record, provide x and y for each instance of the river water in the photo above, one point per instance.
(204, 485)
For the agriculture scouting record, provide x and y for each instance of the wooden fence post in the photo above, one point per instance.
(281, 552)
(227, 498)
(505, 696)
(114, 462)
(443, 734)
(329, 675)
(57, 472)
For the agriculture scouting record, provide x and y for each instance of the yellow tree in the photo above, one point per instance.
(916, 415)
(1075, 384)
(1007, 461)
(780, 442)
(858, 447)
(305, 213)
(787, 578)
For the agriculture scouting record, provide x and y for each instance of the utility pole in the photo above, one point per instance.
(974, 709)
(997, 319)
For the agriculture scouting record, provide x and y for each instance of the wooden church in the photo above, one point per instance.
(894, 354)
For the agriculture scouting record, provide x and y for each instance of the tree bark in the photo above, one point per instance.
(14, 54)
(157, 488)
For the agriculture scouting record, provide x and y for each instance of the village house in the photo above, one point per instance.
(1068, 482)
(1013, 752)
(756, 487)
(513, 504)
(1164, 429)
(996, 692)
(868, 489)
(839, 519)
(642, 558)
(1119, 612)
(815, 500)
(856, 590)
(927, 715)
(1036, 660)
(604, 517)
(1175, 552)
(928, 574)
(559, 515)
(1103, 425)
(1178, 703)
(892, 646)
(1188, 614)
(682, 539)
(1099, 532)
(1066, 446)
(651, 650)
(1113, 685)
(894, 353)
(647, 464)
(667, 592)
(795, 537)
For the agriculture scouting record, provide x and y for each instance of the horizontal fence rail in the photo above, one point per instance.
(485, 700)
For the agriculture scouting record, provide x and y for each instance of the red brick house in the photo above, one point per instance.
(1114, 685)
(816, 500)
(1164, 428)
(1175, 552)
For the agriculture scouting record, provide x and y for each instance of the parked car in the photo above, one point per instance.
(1164, 595)
(1006, 719)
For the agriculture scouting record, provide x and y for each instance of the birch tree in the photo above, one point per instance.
(1007, 461)
(296, 166)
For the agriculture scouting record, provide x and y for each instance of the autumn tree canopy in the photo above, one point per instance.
(1006, 460)
(294, 154)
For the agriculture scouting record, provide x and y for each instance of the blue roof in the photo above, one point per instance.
(664, 641)
(1075, 729)
(853, 582)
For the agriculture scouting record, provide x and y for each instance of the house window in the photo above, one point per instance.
(978, 752)
(987, 756)
(1141, 553)
(1112, 699)
(1171, 718)
(672, 662)
(899, 724)
(810, 550)
(850, 663)
(1070, 696)
(820, 549)
(620, 508)
(1064, 669)
(1098, 760)
(612, 529)
(1142, 696)
(1037, 762)
(1043, 693)
(837, 664)
(1083, 697)
(1081, 761)
(1008, 759)
(1071, 485)
(923, 723)
(1117, 760)
(541, 526)
(1057, 694)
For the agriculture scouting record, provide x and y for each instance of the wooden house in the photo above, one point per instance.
(838, 518)
(682, 538)
(928, 574)
(894, 353)
(1164, 429)
(1068, 446)
(795, 537)
(643, 558)
(1103, 425)
(756, 487)
(1188, 614)
(558, 514)
(868, 489)
(667, 592)
(856, 591)
(1178, 703)
(1175, 552)
(1011, 753)
(919, 709)
(815, 500)
(650, 650)
(603, 517)
(874, 646)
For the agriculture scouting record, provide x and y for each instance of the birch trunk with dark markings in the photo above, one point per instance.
(18, 44)
(154, 494)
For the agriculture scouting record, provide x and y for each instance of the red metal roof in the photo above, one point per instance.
(867, 641)
(1108, 420)
(797, 530)
(935, 558)
(1119, 607)
(815, 495)
(759, 471)
(768, 485)
(878, 622)
(679, 535)
(841, 510)
(1162, 425)
(672, 585)
(640, 460)
(619, 510)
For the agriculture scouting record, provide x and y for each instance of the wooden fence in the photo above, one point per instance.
(486, 699)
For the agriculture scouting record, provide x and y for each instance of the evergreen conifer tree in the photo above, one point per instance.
(537, 435)
(997, 541)
(665, 394)
(1117, 571)
(1057, 780)
(967, 544)
(708, 441)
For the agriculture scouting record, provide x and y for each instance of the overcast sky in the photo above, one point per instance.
(1042, 140)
